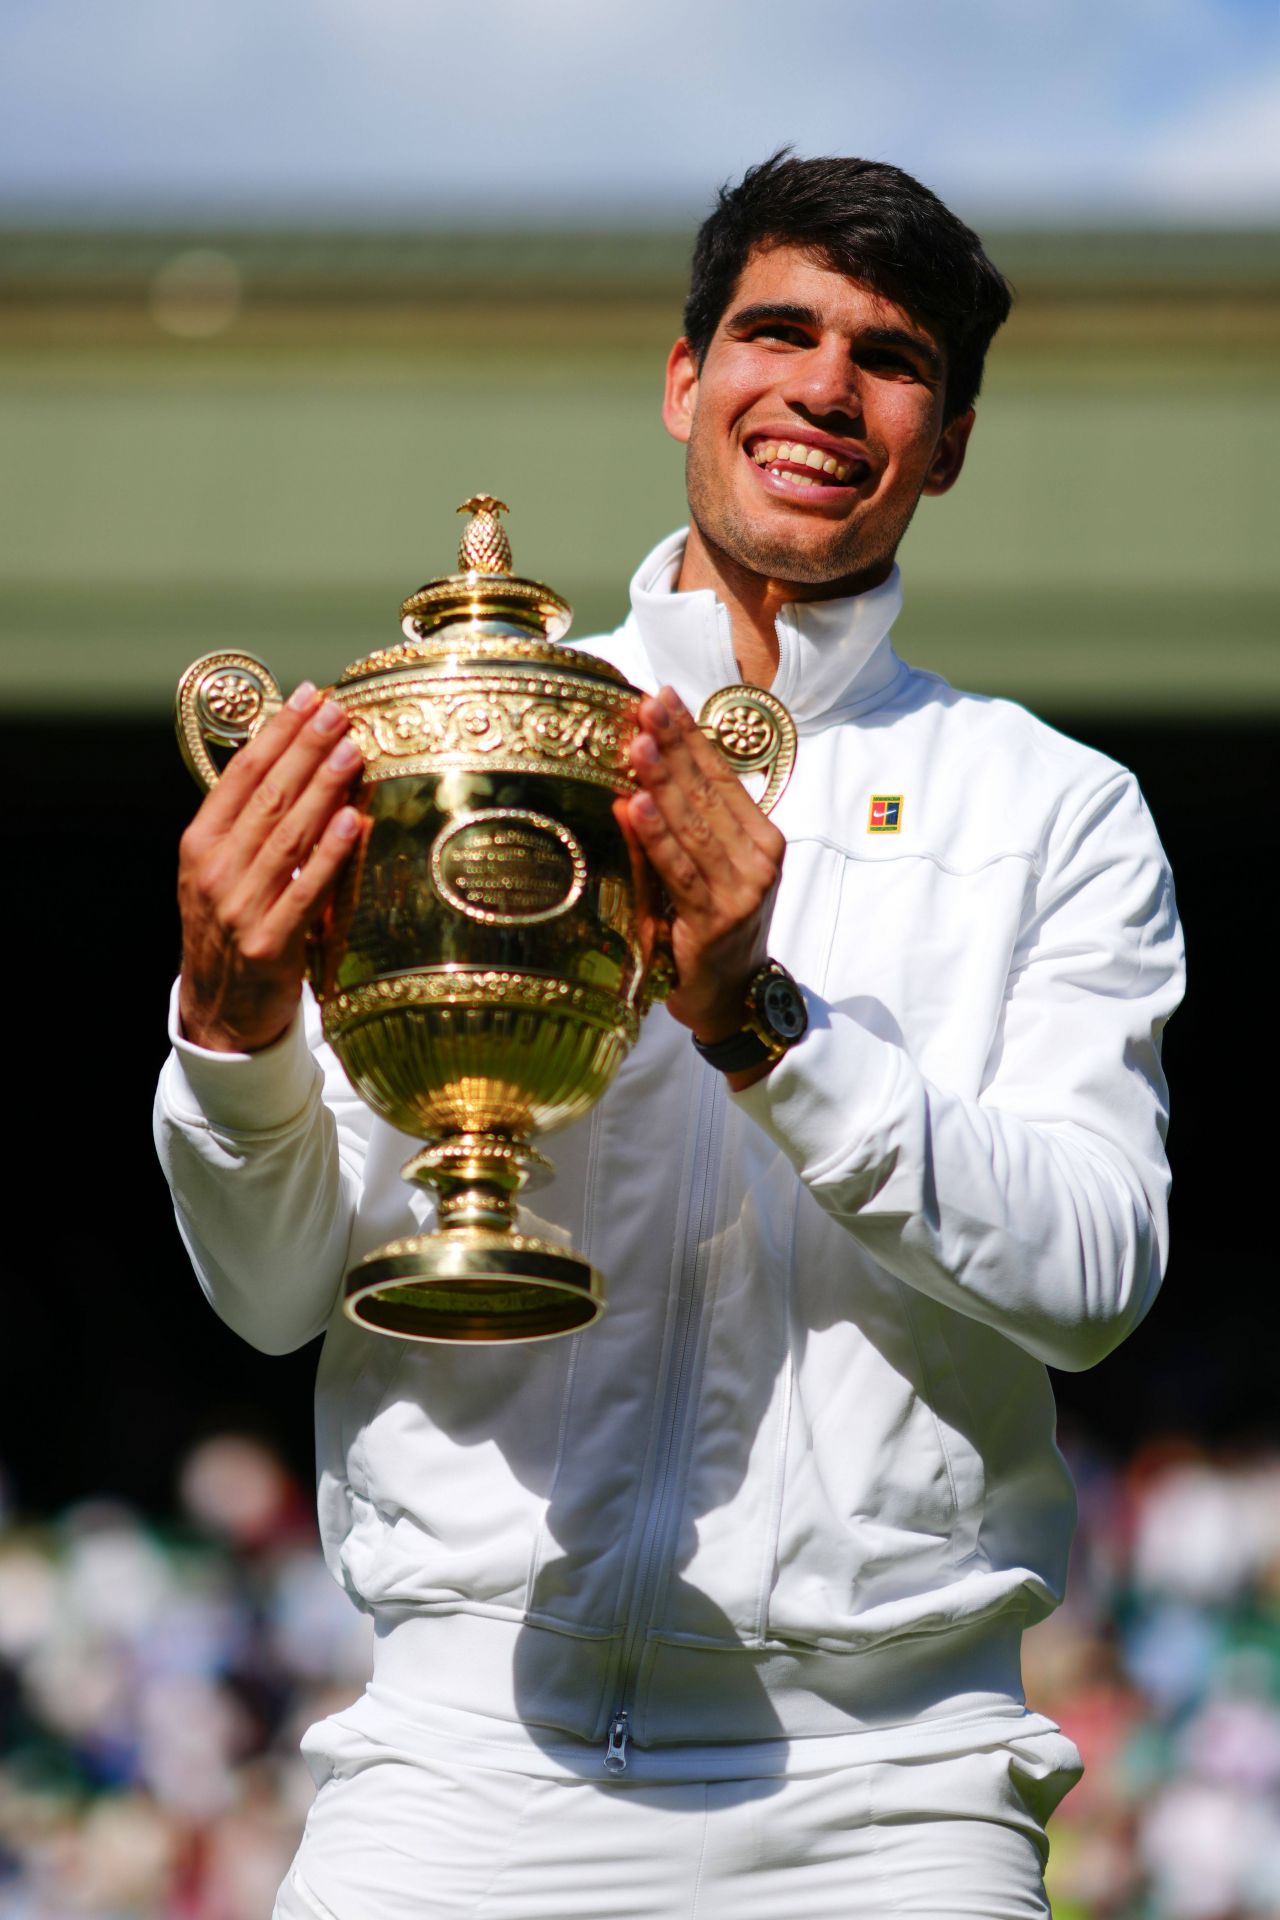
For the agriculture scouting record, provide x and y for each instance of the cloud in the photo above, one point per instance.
(1224, 152)
(424, 106)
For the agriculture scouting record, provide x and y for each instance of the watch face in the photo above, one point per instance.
(781, 1007)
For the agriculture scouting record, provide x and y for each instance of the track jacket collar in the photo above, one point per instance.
(835, 656)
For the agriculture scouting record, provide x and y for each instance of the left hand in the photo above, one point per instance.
(716, 854)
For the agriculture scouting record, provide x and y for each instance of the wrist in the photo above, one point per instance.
(719, 1013)
(213, 1035)
(771, 1019)
(739, 1082)
(723, 1020)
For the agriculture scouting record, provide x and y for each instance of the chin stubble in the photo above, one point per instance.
(850, 550)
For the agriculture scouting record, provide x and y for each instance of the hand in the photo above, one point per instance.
(254, 867)
(716, 854)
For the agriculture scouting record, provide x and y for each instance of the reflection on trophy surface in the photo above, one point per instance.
(479, 971)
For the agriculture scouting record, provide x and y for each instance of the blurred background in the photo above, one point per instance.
(282, 281)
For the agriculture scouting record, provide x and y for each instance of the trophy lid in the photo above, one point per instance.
(483, 610)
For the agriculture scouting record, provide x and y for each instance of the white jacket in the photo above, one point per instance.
(801, 1479)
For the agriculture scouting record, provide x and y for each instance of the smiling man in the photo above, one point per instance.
(716, 1609)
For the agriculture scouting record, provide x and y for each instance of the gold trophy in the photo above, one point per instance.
(479, 970)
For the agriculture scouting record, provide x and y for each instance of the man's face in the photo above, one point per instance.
(813, 426)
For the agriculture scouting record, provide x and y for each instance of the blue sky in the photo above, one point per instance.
(1058, 108)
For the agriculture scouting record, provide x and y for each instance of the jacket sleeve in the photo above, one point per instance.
(264, 1154)
(1040, 1206)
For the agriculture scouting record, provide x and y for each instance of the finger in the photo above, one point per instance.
(674, 730)
(222, 806)
(682, 740)
(652, 905)
(641, 872)
(289, 844)
(672, 751)
(283, 782)
(669, 856)
(307, 891)
(735, 871)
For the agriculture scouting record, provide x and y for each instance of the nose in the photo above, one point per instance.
(824, 383)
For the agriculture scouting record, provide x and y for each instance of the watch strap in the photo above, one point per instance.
(734, 1055)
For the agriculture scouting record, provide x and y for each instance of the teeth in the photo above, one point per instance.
(767, 452)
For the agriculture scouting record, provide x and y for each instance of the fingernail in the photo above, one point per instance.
(645, 807)
(661, 714)
(346, 824)
(671, 701)
(643, 748)
(302, 699)
(345, 756)
(329, 718)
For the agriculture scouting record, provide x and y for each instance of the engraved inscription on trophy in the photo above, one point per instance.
(508, 867)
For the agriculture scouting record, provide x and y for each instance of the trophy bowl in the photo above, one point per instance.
(479, 969)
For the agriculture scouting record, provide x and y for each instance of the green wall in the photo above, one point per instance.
(1111, 545)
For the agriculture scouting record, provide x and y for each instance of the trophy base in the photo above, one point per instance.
(472, 1285)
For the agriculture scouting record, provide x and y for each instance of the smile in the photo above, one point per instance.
(799, 464)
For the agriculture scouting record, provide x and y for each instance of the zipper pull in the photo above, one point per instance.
(615, 1757)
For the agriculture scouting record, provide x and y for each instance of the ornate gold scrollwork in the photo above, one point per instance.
(515, 724)
(223, 698)
(755, 733)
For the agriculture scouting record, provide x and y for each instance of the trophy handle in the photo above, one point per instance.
(223, 698)
(755, 733)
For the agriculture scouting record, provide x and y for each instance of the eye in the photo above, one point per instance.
(783, 330)
(889, 364)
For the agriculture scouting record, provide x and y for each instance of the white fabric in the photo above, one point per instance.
(800, 1483)
(835, 657)
(441, 1838)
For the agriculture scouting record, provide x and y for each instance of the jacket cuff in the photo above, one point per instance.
(241, 1092)
(828, 1102)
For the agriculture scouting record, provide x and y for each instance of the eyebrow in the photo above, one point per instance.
(780, 311)
(774, 310)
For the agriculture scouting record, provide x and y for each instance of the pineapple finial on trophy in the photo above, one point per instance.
(484, 547)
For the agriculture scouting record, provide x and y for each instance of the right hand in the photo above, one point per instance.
(254, 868)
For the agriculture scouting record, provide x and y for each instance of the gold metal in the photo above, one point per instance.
(479, 970)
(224, 698)
(755, 733)
(484, 546)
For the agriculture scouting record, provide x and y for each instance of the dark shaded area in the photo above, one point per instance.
(112, 1363)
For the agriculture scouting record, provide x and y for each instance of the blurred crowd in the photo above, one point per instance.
(154, 1685)
(1164, 1667)
(155, 1682)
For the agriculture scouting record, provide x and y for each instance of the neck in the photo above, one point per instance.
(755, 600)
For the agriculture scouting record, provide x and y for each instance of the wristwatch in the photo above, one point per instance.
(775, 1019)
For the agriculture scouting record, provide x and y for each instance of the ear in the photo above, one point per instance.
(948, 457)
(680, 396)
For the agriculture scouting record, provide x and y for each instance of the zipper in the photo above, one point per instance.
(660, 1522)
(615, 1754)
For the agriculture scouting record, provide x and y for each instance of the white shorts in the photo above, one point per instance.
(443, 1838)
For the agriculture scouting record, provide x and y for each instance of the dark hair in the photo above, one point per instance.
(872, 222)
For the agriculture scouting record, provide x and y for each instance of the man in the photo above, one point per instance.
(716, 1609)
